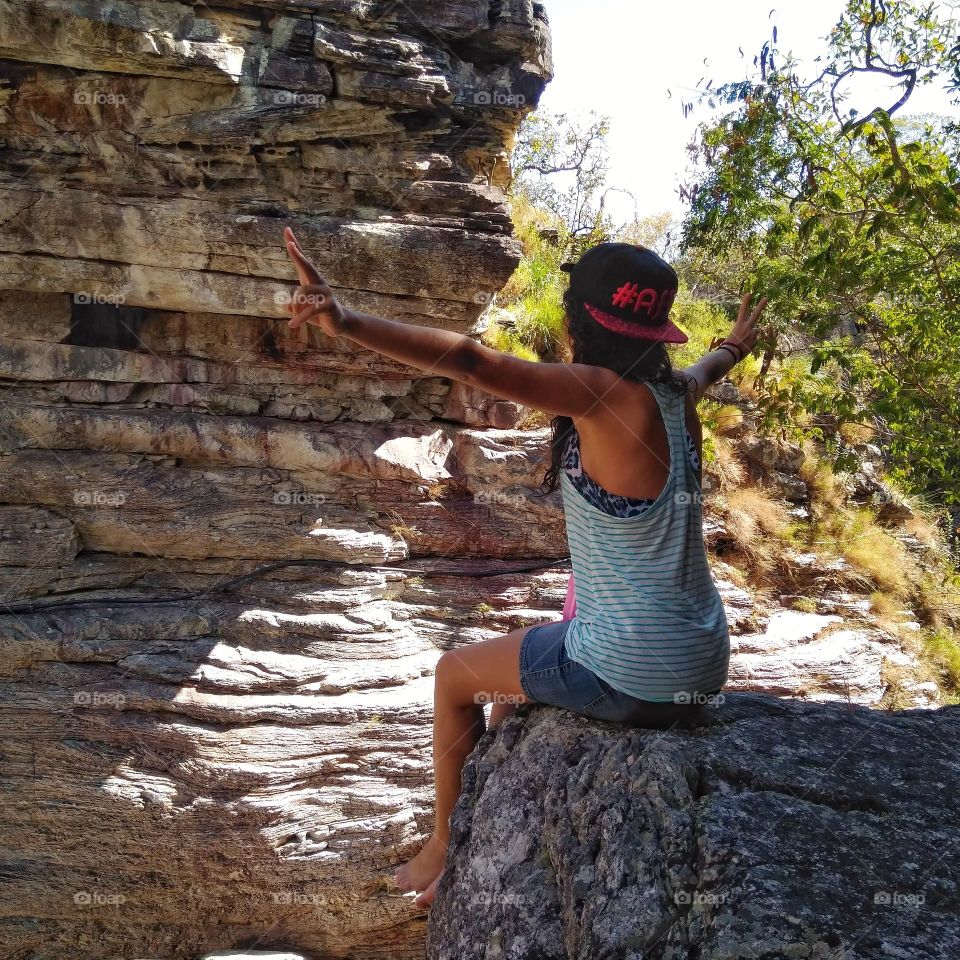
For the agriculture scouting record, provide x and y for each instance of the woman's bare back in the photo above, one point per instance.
(623, 441)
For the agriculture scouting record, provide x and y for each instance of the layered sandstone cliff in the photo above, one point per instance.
(243, 767)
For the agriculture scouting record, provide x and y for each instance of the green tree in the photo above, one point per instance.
(560, 164)
(850, 222)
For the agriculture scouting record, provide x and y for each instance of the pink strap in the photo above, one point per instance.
(570, 604)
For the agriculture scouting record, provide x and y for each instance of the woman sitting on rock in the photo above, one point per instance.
(649, 641)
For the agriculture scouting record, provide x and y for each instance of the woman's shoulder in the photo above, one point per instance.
(634, 403)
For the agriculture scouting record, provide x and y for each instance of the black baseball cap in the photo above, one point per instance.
(628, 289)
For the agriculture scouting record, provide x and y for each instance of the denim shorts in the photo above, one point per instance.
(548, 675)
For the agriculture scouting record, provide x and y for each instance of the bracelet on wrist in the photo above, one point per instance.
(729, 350)
(729, 344)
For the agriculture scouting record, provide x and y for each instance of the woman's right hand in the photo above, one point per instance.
(313, 301)
(745, 333)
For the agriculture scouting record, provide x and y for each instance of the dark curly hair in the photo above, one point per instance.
(631, 358)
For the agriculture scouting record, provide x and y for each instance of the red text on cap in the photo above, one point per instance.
(656, 302)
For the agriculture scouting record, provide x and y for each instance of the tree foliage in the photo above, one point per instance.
(560, 164)
(850, 222)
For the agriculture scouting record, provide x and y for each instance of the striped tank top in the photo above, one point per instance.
(649, 618)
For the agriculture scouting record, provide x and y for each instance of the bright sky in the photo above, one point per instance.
(620, 59)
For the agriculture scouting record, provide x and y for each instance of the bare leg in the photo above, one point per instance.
(466, 678)
(501, 710)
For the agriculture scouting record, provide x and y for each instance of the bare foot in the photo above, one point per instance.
(419, 873)
(426, 898)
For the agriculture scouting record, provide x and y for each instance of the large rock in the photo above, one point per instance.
(785, 831)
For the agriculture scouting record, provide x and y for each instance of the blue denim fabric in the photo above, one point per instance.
(548, 675)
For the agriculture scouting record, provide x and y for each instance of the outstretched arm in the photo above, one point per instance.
(714, 366)
(566, 389)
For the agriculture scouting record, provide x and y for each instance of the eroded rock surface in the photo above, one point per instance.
(187, 771)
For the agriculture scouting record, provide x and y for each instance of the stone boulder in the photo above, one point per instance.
(778, 830)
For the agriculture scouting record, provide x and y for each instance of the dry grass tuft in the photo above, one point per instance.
(724, 465)
(856, 433)
(725, 419)
(854, 534)
(827, 492)
(942, 649)
(535, 420)
(769, 515)
(938, 599)
(758, 528)
(884, 607)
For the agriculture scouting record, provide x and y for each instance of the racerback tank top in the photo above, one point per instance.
(649, 618)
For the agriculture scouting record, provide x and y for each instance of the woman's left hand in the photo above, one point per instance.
(745, 333)
(313, 301)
